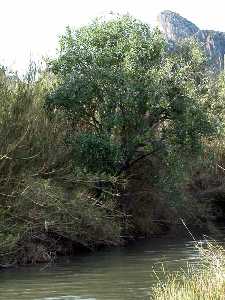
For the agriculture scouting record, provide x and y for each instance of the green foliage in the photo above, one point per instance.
(122, 90)
(96, 154)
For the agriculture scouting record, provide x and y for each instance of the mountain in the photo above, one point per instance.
(176, 28)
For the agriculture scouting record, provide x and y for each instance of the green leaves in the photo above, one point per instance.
(96, 154)
(120, 86)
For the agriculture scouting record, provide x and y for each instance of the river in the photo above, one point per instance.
(115, 274)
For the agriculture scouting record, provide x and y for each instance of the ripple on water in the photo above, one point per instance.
(65, 298)
(120, 274)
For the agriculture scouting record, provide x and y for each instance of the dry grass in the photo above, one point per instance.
(205, 281)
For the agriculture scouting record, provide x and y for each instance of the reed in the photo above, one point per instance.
(204, 281)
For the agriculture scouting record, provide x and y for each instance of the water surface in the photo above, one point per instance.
(116, 274)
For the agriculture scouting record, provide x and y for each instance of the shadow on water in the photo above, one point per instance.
(116, 274)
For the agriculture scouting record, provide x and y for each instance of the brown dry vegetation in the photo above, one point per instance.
(206, 281)
(41, 216)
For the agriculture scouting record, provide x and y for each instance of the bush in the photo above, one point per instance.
(42, 217)
(41, 213)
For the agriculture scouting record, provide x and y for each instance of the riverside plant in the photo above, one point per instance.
(40, 215)
(204, 281)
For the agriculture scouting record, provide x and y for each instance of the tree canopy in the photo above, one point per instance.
(124, 92)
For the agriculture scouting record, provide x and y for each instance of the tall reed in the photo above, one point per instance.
(204, 281)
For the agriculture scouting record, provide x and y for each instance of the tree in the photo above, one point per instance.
(127, 96)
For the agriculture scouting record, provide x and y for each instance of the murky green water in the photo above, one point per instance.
(121, 274)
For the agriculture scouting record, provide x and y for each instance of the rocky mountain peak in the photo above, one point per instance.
(177, 28)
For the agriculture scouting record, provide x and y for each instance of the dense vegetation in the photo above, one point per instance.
(117, 137)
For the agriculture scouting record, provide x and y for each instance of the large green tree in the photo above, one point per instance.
(127, 96)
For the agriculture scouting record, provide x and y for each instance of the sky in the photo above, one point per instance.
(29, 29)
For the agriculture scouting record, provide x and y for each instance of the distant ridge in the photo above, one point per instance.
(176, 28)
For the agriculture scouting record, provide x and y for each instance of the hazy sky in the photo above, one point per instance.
(30, 28)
